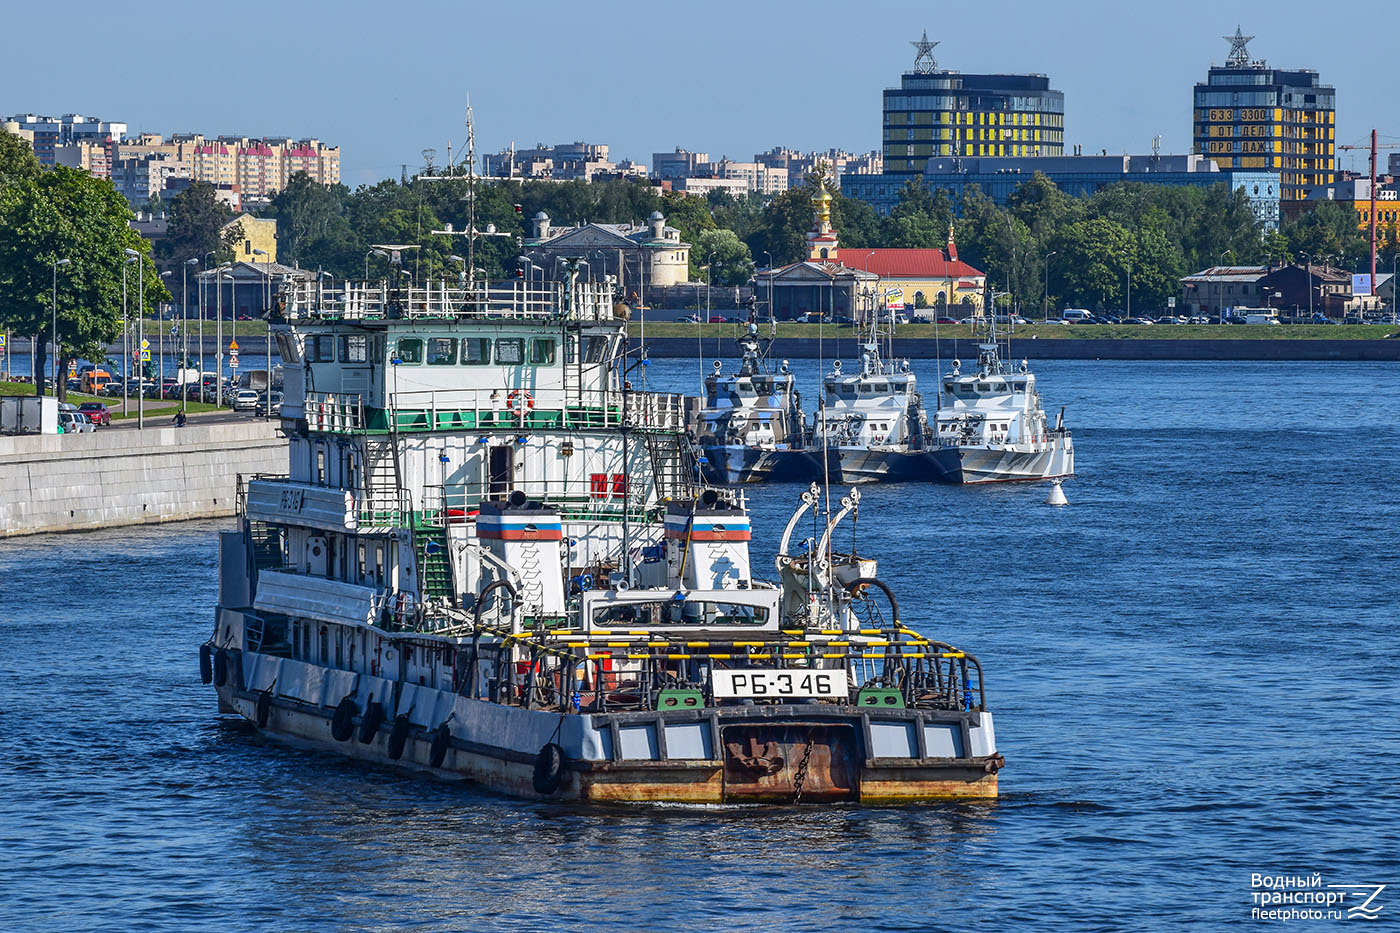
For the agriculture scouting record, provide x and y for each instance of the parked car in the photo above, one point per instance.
(946, 320)
(690, 319)
(276, 405)
(716, 318)
(96, 412)
(75, 422)
(245, 400)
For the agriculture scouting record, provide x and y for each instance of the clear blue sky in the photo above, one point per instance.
(386, 80)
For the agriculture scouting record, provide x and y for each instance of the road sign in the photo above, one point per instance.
(233, 346)
(145, 356)
(2, 341)
(145, 344)
(1171, 301)
(233, 362)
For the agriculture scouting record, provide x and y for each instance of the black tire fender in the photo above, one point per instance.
(343, 722)
(398, 737)
(371, 721)
(264, 708)
(220, 667)
(549, 769)
(206, 664)
(438, 753)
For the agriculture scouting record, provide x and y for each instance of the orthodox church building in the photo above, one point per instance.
(848, 283)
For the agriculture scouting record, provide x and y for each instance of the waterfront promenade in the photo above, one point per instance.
(72, 482)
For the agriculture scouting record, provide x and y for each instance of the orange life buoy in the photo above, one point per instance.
(520, 402)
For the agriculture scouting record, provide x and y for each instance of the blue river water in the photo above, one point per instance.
(1193, 668)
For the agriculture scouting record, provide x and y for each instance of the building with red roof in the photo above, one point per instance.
(842, 283)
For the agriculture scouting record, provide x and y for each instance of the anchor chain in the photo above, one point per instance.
(800, 777)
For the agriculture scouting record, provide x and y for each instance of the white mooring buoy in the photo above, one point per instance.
(1057, 494)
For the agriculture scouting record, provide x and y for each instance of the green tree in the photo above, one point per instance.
(1042, 207)
(59, 214)
(1329, 231)
(1157, 268)
(727, 255)
(920, 220)
(1276, 251)
(691, 216)
(782, 228)
(312, 228)
(1093, 262)
(197, 217)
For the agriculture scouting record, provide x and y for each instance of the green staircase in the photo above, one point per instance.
(430, 547)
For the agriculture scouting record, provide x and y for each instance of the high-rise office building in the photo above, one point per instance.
(1250, 116)
(937, 112)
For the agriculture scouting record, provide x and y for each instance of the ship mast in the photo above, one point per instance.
(471, 196)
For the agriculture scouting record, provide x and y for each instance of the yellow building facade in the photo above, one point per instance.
(254, 234)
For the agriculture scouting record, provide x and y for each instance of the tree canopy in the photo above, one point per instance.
(50, 215)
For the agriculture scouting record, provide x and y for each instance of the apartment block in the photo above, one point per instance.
(577, 161)
(1250, 116)
(50, 134)
(142, 178)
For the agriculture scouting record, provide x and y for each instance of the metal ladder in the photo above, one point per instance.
(383, 484)
(672, 466)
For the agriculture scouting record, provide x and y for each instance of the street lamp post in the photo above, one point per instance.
(140, 334)
(1220, 286)
(1047, 283)
(1130, 288)
(160, 344)
(219, 335)
(267, 315)
(770, 285)
(126, 337)
(56, 264)
(707, 293)
(185, 328)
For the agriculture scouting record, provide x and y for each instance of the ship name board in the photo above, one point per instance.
(761, 682)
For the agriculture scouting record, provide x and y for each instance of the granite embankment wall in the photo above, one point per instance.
(120, 476)
(845, 347)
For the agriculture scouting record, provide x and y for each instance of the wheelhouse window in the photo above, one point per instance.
(689, 612)
(542, 351)
(410, 350)
(321, 349)
(596, 350)
(442, 351)
(476, 351)
(354, 349)
(510, 351)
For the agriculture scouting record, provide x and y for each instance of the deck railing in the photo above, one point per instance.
(585, 301)
(497, 410)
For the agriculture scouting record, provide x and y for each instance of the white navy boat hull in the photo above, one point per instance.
(965, 465)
